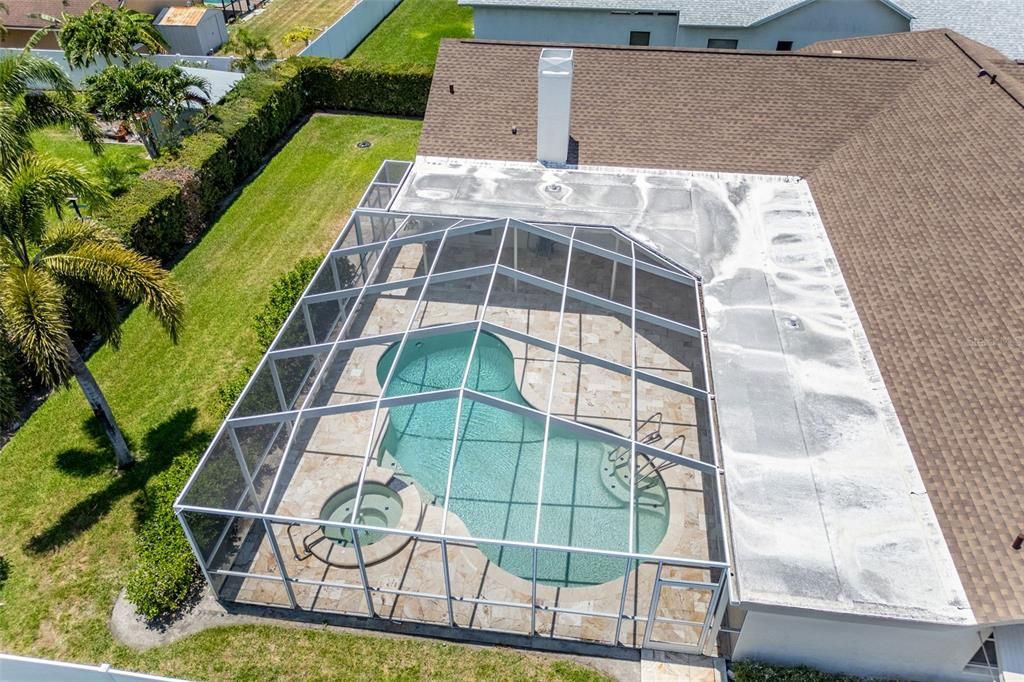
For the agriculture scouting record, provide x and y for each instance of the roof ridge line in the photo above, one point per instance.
(987, 68)
(693, 50)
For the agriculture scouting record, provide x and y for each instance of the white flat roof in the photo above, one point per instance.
(827, 510)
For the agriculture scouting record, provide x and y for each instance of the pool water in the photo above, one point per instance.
(498, 461)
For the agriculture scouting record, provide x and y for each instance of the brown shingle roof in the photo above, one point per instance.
(19, 12)
(915, 166)
(764, 113)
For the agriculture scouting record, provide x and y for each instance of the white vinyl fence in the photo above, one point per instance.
(341, 37)
(22, 669)
(77, 75)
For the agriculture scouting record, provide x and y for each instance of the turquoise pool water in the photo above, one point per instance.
(497, 471)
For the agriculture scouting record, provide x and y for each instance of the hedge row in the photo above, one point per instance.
(755, 671)
(166, 571)
(174, 200)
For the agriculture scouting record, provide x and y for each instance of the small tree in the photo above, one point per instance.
(299, 34)
(252, 48)
(52, 274)
(132, 94)
(108, 33)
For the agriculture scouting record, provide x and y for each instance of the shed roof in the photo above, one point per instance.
(912, 160)
(182, 16)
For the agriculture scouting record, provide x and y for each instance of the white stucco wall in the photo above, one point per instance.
(879, 648)
(570, 26)
(821, 20)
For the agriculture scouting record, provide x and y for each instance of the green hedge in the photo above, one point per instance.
(166, 571)
(150, 217)
(754, 671)
(174, 200)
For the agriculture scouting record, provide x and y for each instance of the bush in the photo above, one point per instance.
(284, 294)
(149, 216)
(754, 671)
(166, 571)
(172, 202)
(395, 89)
(206, 156)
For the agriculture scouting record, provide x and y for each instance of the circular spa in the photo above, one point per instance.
(381, 507)
(495, 478)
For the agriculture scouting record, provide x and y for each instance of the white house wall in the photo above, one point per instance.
(570, 26)
(859, 647)
(821, 20)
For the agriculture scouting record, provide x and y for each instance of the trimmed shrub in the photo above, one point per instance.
(754, 671)
(150, 217)
(166, 571)
(395, 89)
(206, 155)
(284, 294)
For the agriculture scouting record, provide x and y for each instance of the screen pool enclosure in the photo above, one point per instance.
(489, 425)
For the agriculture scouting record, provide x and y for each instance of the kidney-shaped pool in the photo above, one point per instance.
(498, 462)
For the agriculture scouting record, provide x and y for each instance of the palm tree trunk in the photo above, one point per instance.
(100, 407)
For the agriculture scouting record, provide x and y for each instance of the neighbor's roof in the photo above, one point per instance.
(19, 11)
(997, 23)
(913, 162)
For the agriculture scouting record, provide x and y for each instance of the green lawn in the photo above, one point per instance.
(64, 143)
(67, 521)
(412, 33)
(281, 16)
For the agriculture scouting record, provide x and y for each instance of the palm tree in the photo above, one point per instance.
(106, 32)
(54, 276)
(133, 93)
(24, 109)
(252, 47)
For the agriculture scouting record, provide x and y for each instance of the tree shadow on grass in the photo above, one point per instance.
(162, 444)
(94, 460)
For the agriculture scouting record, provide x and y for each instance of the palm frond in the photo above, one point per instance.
(121, 271)
(22, 72)
(32, 309)
(44, 109)
(93, 310)
(33, 183)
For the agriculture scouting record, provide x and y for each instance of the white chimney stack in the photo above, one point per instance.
(554, 99)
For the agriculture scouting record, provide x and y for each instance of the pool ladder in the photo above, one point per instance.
(646, 475)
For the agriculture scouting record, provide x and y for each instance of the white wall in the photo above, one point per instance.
(570, 26)
(345, 34)
(820, 20)
(879, 648)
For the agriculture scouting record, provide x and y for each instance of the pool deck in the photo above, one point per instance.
(332, 452)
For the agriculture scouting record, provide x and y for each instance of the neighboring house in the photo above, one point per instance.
(871, 518)
(24, 17)
(742, 24)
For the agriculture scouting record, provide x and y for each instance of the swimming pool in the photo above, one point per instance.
(498, 461)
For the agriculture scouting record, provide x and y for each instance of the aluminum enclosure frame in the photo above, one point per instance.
(375, 208)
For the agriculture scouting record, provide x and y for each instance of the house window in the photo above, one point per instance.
(639, 37)
(784, 46)
(984, 660)
(723, 43)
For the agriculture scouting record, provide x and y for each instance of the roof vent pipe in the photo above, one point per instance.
(554, 100)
